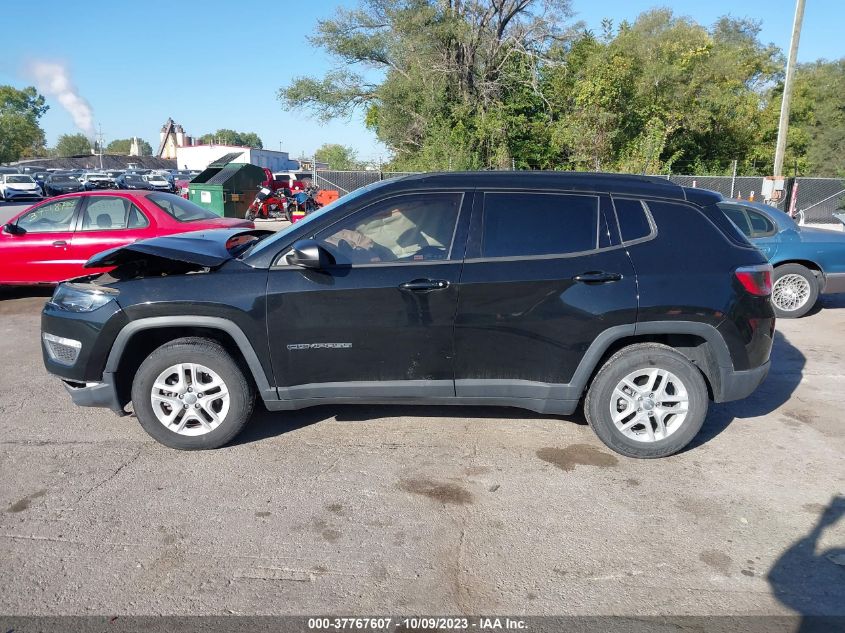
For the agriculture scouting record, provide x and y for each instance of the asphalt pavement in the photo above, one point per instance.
(435, 510)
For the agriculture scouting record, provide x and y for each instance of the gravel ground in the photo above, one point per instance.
(402, 510)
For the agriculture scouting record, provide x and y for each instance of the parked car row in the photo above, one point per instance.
(35, 185)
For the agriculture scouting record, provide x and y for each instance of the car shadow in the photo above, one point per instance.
(809, 580)
(828, 302)
(787, 370)
(15, 300)
(266, 424)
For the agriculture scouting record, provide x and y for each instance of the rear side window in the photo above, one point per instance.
(761, 226)
(737, 216)
(633, 219)
(107, 213)
(526, 224)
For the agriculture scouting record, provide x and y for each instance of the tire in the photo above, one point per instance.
(604, 401)
(250, 215)
(795, 291)
(224, 417)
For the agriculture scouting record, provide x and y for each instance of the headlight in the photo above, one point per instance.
(82, 297)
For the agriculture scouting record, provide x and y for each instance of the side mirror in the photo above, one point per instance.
(13, 229)
(309, 254)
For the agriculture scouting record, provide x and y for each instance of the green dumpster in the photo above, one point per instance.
(226, 188)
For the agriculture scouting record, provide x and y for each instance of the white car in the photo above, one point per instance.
(19, 187)
(158, 182)
(96, 180)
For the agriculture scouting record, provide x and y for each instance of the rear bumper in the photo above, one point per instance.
(96, 394)
(737, 385)
(834, 282)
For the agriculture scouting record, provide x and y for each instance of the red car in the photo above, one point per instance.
(50, 242)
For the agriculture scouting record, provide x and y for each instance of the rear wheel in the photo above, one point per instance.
(190, 394)
(795, 291)
(647, 401)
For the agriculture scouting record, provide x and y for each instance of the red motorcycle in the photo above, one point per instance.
(269, 205)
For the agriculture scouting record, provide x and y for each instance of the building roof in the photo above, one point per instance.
(91, 161)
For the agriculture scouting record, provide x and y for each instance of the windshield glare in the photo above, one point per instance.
(19, 179)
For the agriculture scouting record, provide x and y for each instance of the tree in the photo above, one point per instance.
(20, 133)
(72, 145)
(338, 157)
(444, 64)
(471, 84)
(123, 145)
(231, 137)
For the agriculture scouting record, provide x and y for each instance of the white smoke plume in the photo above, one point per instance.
(53, 80)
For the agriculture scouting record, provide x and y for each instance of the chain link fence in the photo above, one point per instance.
(817, 198)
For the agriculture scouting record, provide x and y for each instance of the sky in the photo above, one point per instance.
(214, 64)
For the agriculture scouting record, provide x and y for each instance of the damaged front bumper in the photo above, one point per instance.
(95, 394)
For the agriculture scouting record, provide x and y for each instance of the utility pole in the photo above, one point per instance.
(783, 125)
(733, 179)
(100, 144)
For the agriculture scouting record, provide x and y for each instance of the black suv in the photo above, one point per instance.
(536, 290)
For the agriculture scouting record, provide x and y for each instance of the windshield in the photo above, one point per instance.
(181, 209)
(313, 217)
(60, 179)
(19, 179)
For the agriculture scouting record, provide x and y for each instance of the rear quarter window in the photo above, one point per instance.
(634, 222)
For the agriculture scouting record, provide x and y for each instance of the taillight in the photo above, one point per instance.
(757, 280)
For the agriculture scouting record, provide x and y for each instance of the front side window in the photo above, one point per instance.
(413, 228)
(50, 217)
(108, 213)
(526, 224)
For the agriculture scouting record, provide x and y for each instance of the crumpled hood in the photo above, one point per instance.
(205, 248)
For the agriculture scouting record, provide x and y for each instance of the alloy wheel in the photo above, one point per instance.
(649, 404)
(190, 399)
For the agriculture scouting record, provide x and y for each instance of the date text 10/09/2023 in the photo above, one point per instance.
(417, 623)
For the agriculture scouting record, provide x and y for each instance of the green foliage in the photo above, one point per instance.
(123, 145)
(472, 85)
(72, 145)
(338, 157)
(20, 134)
(231, 137)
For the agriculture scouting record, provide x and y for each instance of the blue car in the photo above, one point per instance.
(807, 261)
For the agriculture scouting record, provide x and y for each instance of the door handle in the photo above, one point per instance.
(424, 285)
(596, 277)
(60, 243)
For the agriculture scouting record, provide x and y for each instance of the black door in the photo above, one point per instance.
(543, 277)
(378, 324)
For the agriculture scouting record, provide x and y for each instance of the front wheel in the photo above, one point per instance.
(795, 291)
(250, 215)
(190, 394)
(647, 401)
